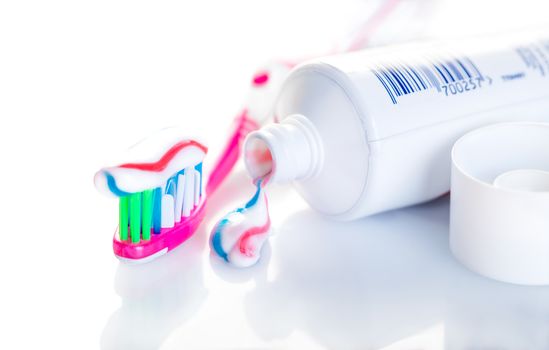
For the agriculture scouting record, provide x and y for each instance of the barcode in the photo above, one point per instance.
(403, 79)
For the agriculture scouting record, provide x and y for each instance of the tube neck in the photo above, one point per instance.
(285, 151)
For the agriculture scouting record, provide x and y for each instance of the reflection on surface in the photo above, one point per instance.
(157, 297)
(388, 281)
(382, 279)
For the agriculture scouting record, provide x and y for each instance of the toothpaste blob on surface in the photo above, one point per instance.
(150, 163)
(239, 236)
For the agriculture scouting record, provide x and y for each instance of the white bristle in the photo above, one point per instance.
(179, 197)
(203, 183)
(196, 187)
(188, 195)
(167, 211)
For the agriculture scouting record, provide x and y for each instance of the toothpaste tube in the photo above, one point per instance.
(370, 131)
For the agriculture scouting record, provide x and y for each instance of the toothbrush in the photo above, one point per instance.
(160, 193)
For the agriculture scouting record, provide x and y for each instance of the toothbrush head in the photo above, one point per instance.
(161, 195)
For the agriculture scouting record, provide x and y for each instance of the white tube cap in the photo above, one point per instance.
(499, 220)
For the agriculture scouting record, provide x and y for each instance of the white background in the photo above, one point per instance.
(80, 80)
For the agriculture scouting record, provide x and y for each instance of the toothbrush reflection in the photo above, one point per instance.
(157, 297)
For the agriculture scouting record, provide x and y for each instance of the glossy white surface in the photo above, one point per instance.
(388, 282)
(80, 80)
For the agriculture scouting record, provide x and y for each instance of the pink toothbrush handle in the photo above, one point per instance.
(243, 125)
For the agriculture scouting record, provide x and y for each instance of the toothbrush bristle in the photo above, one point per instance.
(123, 217)
(160, 208)
(167, 211)
(147, 211)
(157, 210)
(188, 195)
(135, 217)
(196, 191)
(179, 197)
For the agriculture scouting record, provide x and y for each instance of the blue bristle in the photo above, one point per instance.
(157, 210)
(171, 186)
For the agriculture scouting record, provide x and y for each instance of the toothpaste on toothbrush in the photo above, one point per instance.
(239, 236)
(151, 163)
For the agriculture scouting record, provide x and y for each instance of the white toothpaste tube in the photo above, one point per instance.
(370, 131)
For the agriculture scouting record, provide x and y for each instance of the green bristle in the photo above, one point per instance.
(147, 214)
(135, 217)
(123, 219)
